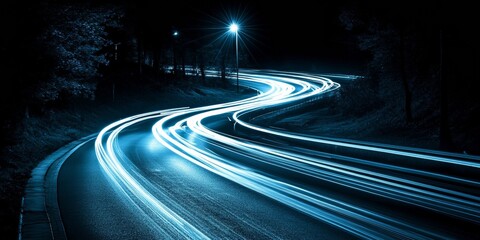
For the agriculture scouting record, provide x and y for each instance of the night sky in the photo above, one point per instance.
(297, 35)
(300, 35)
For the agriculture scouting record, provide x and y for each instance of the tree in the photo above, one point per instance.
(429, 51)
(387, 41)
(75, 39)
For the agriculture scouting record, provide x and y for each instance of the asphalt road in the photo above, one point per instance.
(220, 172)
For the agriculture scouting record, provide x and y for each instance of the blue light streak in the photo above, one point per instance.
(181, 130)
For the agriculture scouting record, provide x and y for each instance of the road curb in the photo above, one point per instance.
(39, 214)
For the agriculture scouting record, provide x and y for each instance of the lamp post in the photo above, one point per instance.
(174, 46)
(234, 29)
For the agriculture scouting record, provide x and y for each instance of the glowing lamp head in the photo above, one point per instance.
(234, 28)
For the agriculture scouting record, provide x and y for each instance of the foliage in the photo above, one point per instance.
(398, 46)
(76, 39)
(423, 55)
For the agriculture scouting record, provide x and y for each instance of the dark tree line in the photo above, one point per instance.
(431, 45)
(177, 50)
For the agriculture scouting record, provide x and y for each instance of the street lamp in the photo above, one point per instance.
(234, 29)
(174, 48)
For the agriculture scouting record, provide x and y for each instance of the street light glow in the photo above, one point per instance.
(234, 28)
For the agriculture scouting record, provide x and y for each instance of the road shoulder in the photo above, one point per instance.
(40, 216)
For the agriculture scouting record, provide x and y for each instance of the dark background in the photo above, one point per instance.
(421, 54)
(302, 35)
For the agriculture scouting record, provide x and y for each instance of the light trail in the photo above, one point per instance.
(247, 161)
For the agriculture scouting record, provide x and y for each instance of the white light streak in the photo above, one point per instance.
(181, 131)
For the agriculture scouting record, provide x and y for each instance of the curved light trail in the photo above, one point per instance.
(291, 168)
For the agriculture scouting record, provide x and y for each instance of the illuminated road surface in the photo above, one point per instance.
(219, 172)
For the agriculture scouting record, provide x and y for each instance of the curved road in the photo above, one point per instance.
(220, 172)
